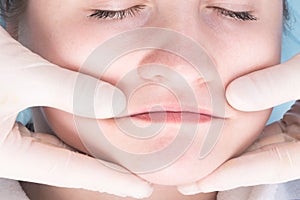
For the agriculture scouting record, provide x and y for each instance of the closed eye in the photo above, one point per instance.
(240, 15)
(117, 14)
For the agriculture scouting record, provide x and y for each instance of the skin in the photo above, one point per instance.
(237, 47)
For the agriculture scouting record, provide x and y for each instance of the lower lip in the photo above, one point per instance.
(173, 117)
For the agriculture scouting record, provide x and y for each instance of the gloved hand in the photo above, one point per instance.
(266, 88)
(275, 157)
(28, 80)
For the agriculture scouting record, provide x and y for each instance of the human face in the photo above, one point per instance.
(61, 32)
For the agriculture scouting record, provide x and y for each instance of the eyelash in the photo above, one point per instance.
(119, 14)
(243, 16)
(133, 11)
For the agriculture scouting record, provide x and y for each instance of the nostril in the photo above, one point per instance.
(153, 72)
(159, 78)
(198, 82)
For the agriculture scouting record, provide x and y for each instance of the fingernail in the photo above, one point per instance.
(109, 101)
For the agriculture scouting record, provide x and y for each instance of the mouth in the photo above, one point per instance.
(173, 116)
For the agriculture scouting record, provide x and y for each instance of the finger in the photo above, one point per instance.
(266, 88)
(272, 164)
(26, 159)
(73, 92)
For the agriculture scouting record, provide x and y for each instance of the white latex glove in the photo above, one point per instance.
(266, 88)
(275, 157)
(28, 80)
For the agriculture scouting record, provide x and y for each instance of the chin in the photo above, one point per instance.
(181, 172)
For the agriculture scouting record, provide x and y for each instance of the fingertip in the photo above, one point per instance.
(137, 189)
(142, 190)
(191, 189)
(234, 96)
(245, 95)
(109, 101)
(98, 100)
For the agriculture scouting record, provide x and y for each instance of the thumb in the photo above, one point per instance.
(45, 160)
(266, 88)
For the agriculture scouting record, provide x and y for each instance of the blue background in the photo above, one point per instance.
(290, 46)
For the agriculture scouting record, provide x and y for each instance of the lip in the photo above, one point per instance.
(172, 117)
(172, 114)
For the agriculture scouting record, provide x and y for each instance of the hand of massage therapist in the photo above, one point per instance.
(28, 80)
(275, 156)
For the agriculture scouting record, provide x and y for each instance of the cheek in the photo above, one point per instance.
(60, 35)
(62, 48)
(250, 48)
(241, 130)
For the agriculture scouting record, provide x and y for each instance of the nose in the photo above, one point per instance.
(161, 66)
(182, 19)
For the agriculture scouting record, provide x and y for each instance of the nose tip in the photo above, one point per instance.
(160, 66)
(164, 57)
